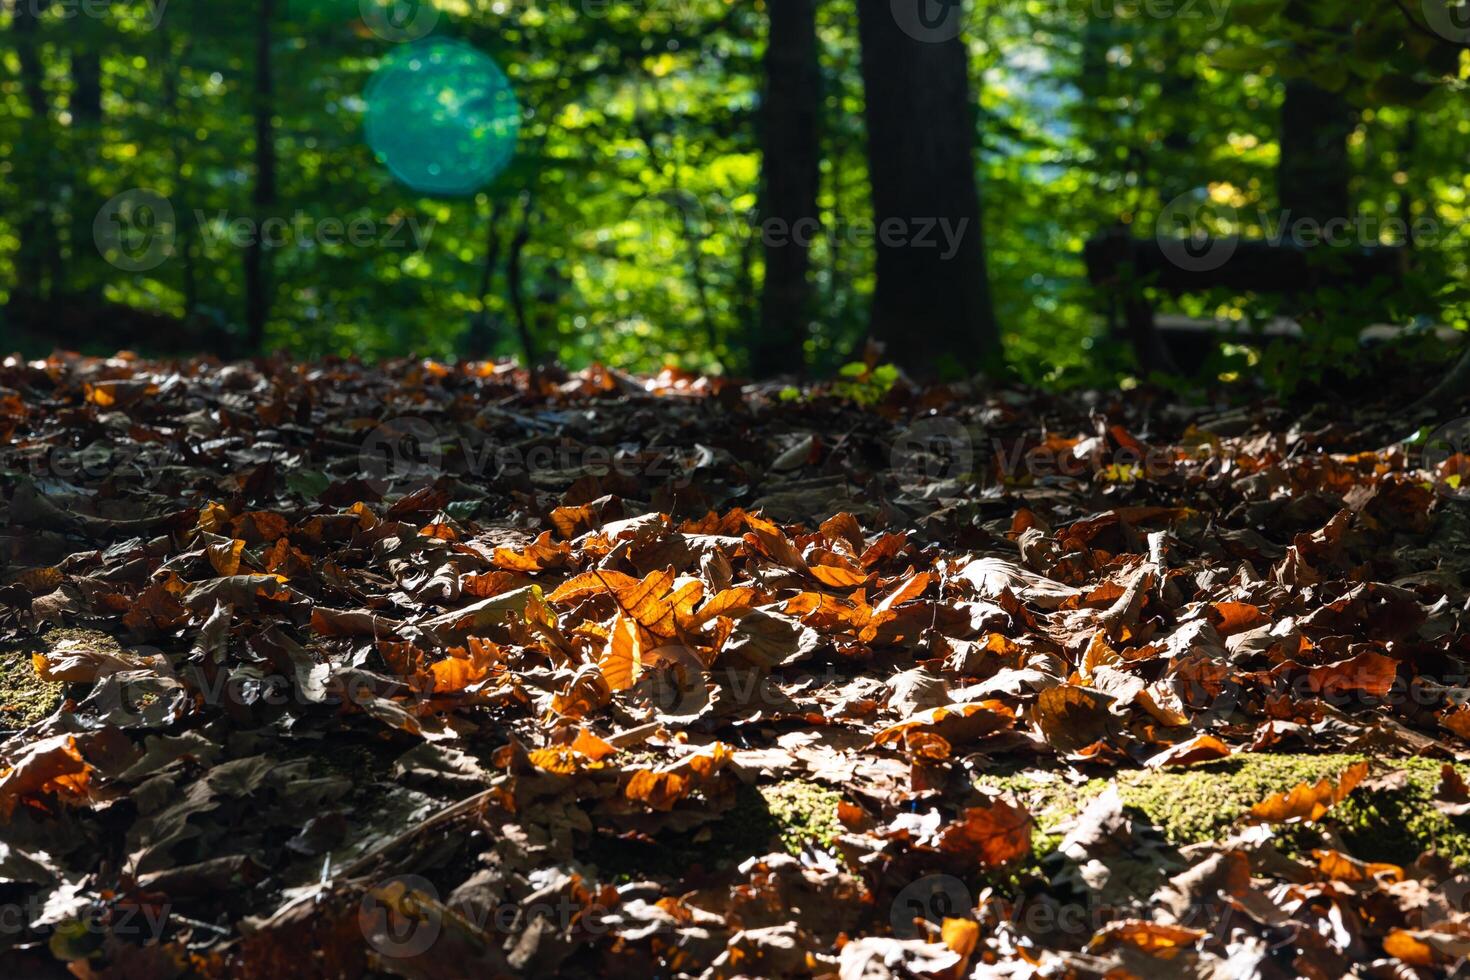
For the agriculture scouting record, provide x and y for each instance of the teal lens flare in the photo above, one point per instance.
(442, 117)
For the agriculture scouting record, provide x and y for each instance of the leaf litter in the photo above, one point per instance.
(445, 671)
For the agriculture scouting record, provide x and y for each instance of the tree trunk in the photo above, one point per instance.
(931, 305)
(1314, 170)
(177, 154)
(86, 144)
(263, 197)
(38, 258)
(790, 165)
(479, 338)
(515, 283)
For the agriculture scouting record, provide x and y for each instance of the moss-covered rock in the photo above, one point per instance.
(1384, 820)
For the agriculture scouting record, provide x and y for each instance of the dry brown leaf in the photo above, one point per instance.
(1307, 802)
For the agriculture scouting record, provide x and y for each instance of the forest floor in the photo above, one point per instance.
(441, 672)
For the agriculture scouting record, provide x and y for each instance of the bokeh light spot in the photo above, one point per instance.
(442, 117)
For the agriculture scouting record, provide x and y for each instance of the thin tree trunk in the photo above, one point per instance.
(38, 261)
(479, 337)
(263, 197)
(176, 159)
(745, 277)
(790, 165)
(514, 273)
(931, 304)
(86, 140)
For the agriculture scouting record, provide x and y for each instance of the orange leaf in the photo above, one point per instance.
(491, 584)
(591, 746)
(731, 602)
(989, 836)
(706, 764)
(1342, 867)
(622, 660)
(1201, 748)
(928, 745)
(911, 588)
(1157, 939)
(1402, 945)
(657, 790)
(1235, 617)
(1457, 722)
(259, 525)
(554, 758)
(769, 540)
(960, 935)
(539, 555)
(1071, 718)
(52, 766)
(647, 605)
(1371, 673)
(588, 584)
(225, 557)
(462, 667)
(840, 578)
(1306, 802)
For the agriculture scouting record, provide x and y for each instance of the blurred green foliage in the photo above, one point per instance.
(634, 188)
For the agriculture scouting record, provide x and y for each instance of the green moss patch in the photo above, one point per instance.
(1377, 822)
(804, 813)
(24, 697)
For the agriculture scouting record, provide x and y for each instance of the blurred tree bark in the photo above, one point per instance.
(790, 177)
(263, 195)
(1314, 171)
(931, 305)
(177, 153)
(85, 138)
(38, 259)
